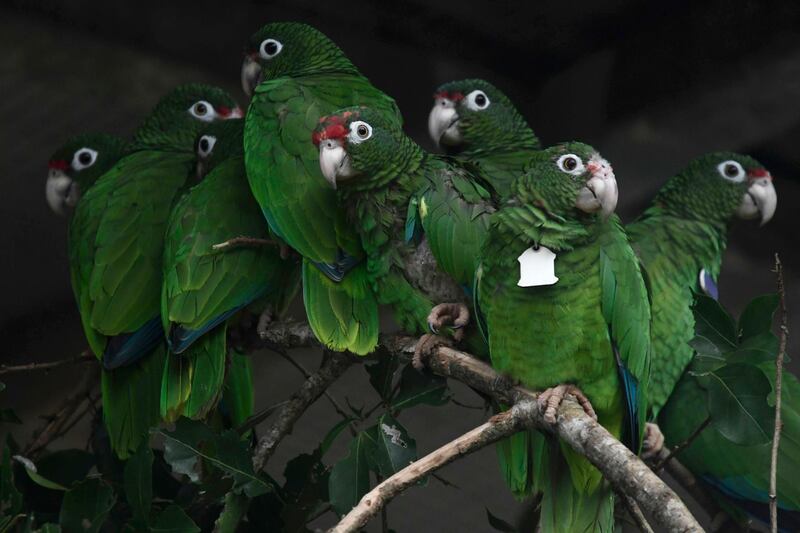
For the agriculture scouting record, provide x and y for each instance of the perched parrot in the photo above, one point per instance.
(74, 168)
(301, 75)
(472, 120)
(421, 217)
(116, 248)
(204, 288)
(564, 305)
(680, 240)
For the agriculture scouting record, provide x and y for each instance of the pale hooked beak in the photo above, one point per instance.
(334, 161)
(600, 193)
(61, 191)
(760, 200)
(443, 123)
(251, 75)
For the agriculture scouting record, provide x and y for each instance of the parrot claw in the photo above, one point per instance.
(264, 321)
(425, 346)
(653, 441)
(454, 315)
(551, 399)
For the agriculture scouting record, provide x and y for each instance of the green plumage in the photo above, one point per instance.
(204, 288)
(308, 78)
(567, 332)
(116, 245)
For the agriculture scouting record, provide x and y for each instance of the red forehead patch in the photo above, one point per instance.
(454, 96)
(756, 173)
(57, 164)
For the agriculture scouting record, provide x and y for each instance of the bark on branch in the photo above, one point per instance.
(776, 436)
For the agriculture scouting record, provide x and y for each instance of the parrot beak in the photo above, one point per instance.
(443, 122)
(251, 74)
(61, 191)
(600, 193)
(761, 199)
(334, 161)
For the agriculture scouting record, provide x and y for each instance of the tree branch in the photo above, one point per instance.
(83, 357)
(636, 513)
(776, 437)
(332, 367)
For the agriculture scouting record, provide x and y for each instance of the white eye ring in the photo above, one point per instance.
(204, 111)
(360, 131)
(80, 160)
(269, 48)
(566, 161)
(732, 171)
(477, 100)
(206, 145)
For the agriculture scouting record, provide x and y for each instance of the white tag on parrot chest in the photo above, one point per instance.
(537, 267)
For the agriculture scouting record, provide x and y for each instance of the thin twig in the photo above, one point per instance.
(84, 357)
(332, 367)
(776, 436)
(682, 446)
(686, 479)
(56, 423)
(243, 242)
(635, 512)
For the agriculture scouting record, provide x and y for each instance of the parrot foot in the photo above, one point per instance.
(425, 346)
(265, 319)
(455, 315)
(551, 399)
(653, 441)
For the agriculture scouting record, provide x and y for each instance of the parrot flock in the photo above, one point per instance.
(501, 244)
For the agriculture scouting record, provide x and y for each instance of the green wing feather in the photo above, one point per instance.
(238, 394)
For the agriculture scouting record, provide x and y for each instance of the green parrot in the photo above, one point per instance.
(296, 75)
(472, 120)
(204, 289)
(564, 305)
(74, 168)
(680, 240)
(421, 218)
(116, 245)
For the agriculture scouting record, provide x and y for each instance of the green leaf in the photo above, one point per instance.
(330, 437)
(349, 479)
(420, 387)
(714, 323)
(8, 416)
(232, 512)
(174, 520)
(306, 488)
(37, 478)
(65, 467)
(757, 316)
(756, 349)
(381, 374)
(139, 482)
(499, 524)
(233, 457)
(394, 448)
(181, 447)
(737, 403)
(86, 506)
(10, 497)
(49, 528)
(2, 386)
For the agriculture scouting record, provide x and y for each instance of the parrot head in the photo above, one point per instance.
(289, 49)
(74, 167)
(567, 180)
(355, 142)
(217, 142)
(720, 186)
(179, 116)
(473, 114)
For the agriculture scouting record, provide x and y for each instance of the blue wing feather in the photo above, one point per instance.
(126, 349)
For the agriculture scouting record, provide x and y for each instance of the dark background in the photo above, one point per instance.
(651, 84)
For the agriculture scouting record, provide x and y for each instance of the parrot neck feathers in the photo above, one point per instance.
(532, 225)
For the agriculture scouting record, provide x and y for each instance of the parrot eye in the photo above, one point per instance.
(83, 158)
(571, 164)
(202, 110)
(360, 131)
(731, 171)
(477, 100)
(205, 145)
(269, 48)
